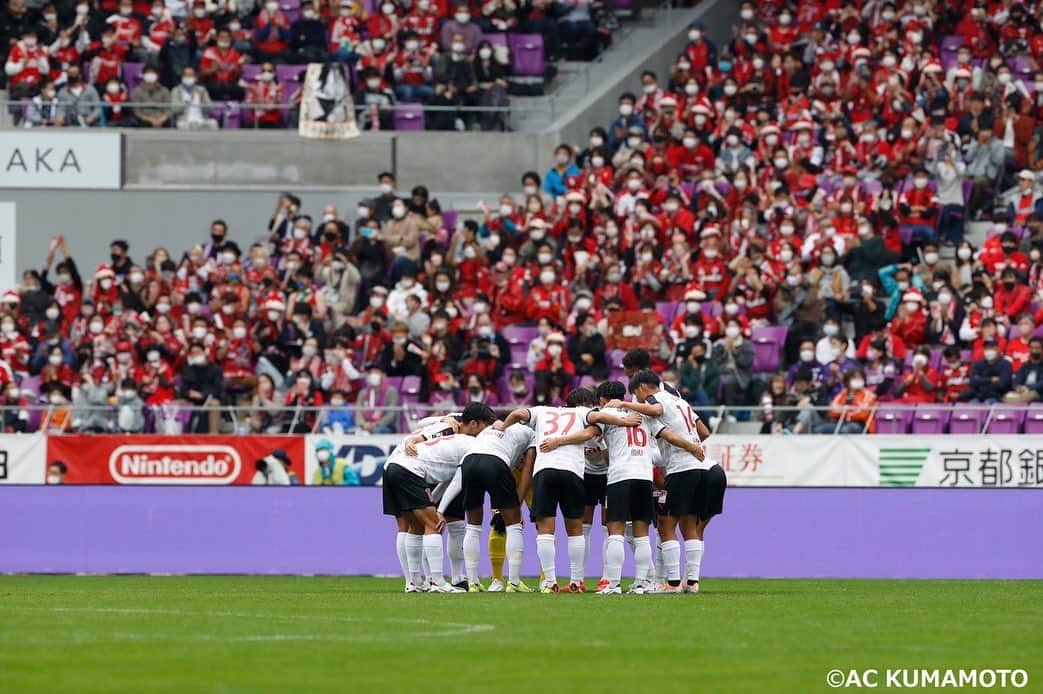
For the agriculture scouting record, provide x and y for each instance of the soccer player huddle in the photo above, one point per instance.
(641, 460)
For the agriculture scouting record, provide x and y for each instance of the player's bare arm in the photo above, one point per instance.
(602, 417)
(581, 436)
(681, 442)
(525, 478)
(644, 408)
(518, 416)
(410, 444)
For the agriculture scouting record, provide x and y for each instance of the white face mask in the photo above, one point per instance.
(373, 380)
(626, 110)
(554, 349)
(710, 253)
(54, 360)
(199, 332)
(930, 258)
(634, 184)
(912, 306)
(96, 328)
(857, 384)
(53, 313)
(786, 256)
(807, 355)
(485, 53)
(398, 211)
(463, 17)
(376, 301)
(991, 354)
(829, 330)
(964, 253)
(150, 77)
(547, 278)
(986, 302)
(412, 45)
(458, 47)
(732, 331)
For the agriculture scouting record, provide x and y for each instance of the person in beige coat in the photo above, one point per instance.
(402, 235)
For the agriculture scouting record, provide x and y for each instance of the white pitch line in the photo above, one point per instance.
(441, 629)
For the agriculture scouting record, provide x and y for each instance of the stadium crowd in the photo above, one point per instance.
(815, 173)
(90, 62)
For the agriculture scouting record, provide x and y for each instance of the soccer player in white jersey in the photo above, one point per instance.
(558, 479)
(695, 485)
(488, 469)
(407, 497)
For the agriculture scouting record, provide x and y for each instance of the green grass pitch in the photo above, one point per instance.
(301, 634)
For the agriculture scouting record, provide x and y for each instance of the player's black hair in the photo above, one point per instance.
(637, 359)
(645, 377)
(62, 467)
(477, 412)
(611, 390)
(580, 397)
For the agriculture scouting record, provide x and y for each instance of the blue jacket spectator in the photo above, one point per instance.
(554, 181)
(895, 279)
(628, 118)
(990, 377)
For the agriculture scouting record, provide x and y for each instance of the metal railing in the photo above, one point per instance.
(176, 417)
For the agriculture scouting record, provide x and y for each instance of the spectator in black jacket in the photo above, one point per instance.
(308, 37)
(990, 377)
(587, 348)
(402, 356)
(202, 384)
(1028, 381)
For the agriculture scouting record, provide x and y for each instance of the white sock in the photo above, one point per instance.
(586, 545)
(604, 555)
(545, 551)
(672, 559)
(693, 551)
(576, 545)
(655, 571)
(456, 531)
(628, 535)
(642, 557)
(403, 557)
(472, 551)
(515, 550)
(423, 564)
(435, 560)
(415, 557)
(614, 559)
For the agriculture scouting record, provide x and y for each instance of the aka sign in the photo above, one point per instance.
(59, 159)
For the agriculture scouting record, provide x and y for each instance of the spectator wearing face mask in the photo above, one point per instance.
(44, 108)
(1027, 384)
(377, 404)
(990, 378)
(308, 36)
(461, 26)
(150, 91)
(548, 298)
(303, 401)
(271, 33)
(920, 382)
(59, 415)
(1012, 298)
(91, 407)
(202, 385)
(555, 371)
(190, 103)
(401, 356)
(586, 348)
(896, 281)
(27, 65)
(853, 407)
(266, 90)
(15, 418)
(734, 356)
(129, 416)
(79, 101)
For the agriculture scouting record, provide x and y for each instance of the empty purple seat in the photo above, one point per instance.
(519, 352)
(967, 418)
(1034, 419)
(951, 42)
(870, 186)
(287, 74)
(527, 50)
(410, 386)
(767, 347)
(893, 419)
(931, 419)
(517, 334)
(132, 75)
(615, 358)
(1006, 419)
(667, 309)
(585, 382)
(409, 117)
(496, 39)
(251, 71)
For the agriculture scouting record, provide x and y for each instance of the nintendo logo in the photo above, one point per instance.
(172, 464)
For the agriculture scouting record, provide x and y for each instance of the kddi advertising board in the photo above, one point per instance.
(60, 159)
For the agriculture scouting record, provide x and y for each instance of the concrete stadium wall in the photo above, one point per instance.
(784, 533)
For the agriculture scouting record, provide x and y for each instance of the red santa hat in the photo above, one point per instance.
(861, 52)
(933, 66)
(701, 108)
(694, 295)
(104, 271)
(913, 295)
(537, 223)
(555, 337)
(803, 124)
(575, 196)
(769, 129)
(668, 102)
(274, 303)
(962, 72)
(710, 231)
(12, 297)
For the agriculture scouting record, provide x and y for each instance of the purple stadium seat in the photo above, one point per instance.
(496, 39)
(967, 418)
(251, 71)
(30, 386)
(931, 419)
(292, 15)
(519, 352)
(527, 50)
(227, 113)
(893, 419)
(518, 334)
(767, 346)
(585, 382)
(287, 74)
(667, 309)
(615, 358)
(1034, 419)
(408, 117)
(951, 42)
(1006, 419)
(132, 75)
(449, 218)
(623, 8)
(871, 186)
(410, 385)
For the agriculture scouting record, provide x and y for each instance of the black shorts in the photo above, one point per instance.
(698, 493)
(629, 500)
(594, 489)
(486, 474)
(551, 489)
(404, 491)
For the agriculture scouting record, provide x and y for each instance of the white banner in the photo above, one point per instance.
(23, 458)
(60, 159)
(954, 461)
(790, 461)
(327, 112)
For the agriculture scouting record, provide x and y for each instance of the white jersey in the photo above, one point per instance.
(552, 422)
(630, 449)
(508, 445)
(595, 457)
(436, 460)
(680, 419)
